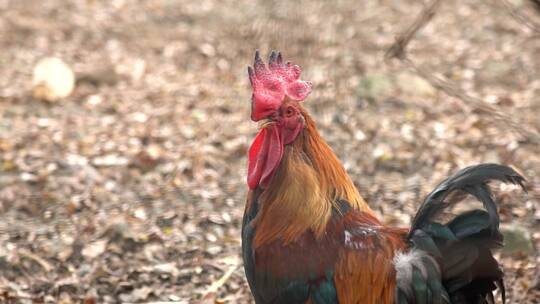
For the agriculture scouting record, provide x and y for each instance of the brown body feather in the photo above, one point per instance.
(365, 272)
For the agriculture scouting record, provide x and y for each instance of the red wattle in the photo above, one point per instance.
(264, 156)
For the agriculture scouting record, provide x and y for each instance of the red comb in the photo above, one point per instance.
(271, 84)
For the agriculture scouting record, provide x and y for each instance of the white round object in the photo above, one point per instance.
(53, 79)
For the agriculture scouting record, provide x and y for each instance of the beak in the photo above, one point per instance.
(266, 122)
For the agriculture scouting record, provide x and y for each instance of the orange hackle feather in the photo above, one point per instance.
(301, 195)
(334, 179)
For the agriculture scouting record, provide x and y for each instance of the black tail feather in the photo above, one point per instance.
(472, 180)
(463, 246)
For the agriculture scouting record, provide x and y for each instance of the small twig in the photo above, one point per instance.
(209, 294)
(212, 289)
(27, 254)
(397, 50)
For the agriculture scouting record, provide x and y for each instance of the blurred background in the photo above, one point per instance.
(123, 159)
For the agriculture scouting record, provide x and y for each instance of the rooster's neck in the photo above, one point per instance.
(333, 178)
(306, 186)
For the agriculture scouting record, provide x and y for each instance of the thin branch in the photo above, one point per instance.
(536, 4)
(535, 27)
(41, 262)
(467, 100)
(398, 50)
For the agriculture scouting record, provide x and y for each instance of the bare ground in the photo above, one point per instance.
(132, 189)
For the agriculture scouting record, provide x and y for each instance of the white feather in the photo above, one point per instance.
(404, 262)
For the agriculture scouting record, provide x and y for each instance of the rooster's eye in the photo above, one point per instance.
(289, 112)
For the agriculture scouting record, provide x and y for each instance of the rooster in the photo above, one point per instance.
(309, 237)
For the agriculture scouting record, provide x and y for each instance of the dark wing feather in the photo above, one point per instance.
(292, 273)
(289, 273)
(248, 232)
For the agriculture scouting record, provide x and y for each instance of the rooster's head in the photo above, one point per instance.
(277, 91)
